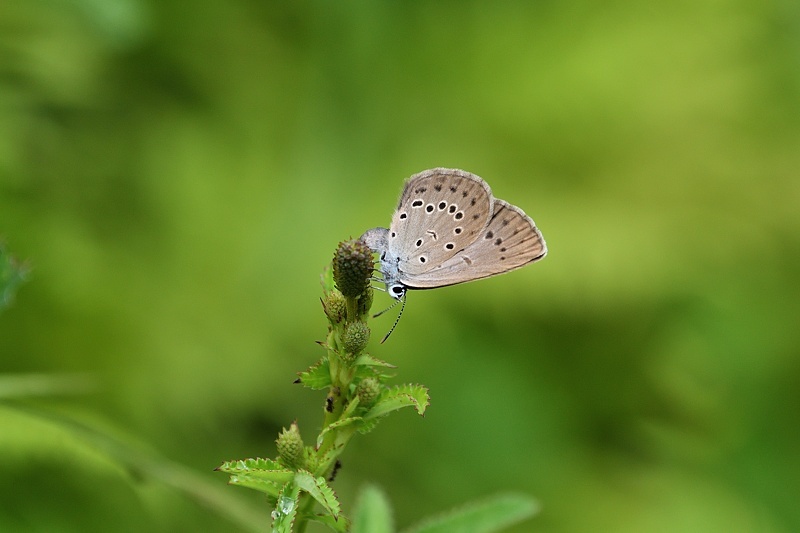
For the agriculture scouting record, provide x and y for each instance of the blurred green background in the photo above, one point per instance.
(178, 174)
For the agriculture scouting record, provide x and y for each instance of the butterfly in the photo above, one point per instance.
(448, 229)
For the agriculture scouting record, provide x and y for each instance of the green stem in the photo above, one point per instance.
(306, 508)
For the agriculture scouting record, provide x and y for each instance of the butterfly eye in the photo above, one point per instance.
(417, 203)
(442, 205)
(453, 208)
(422, 259)
(418, 243)
(449, 245)
(429, 208)
(457, 231)
(403, 216)
(459, 215)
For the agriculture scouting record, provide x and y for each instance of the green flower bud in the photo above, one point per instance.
(335, 307)
(352, 268)
(368, 391)
(355, 338)
(365, 302)
(291, 451)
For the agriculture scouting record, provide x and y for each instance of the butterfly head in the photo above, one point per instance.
(378, 241)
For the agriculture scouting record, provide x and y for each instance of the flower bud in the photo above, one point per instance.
(352, 268)
(368, 391)
(290, 447)
(355, 338)
(335, 307)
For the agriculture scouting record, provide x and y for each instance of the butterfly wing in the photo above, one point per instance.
(441, 212)
(509, 241)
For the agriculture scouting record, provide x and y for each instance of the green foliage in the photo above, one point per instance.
(415, 396)
(373, 513)
(317, 377)
(319, 490)
(175, 194)
(356, 386)
(487, 516)
(285, 512)
(12, 275)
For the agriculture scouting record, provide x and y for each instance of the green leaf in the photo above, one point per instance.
(373, 513)
(265, 469)
(261, 485)
(317, 377)
(285, 509)
(318, 488)
(342, 525)
(399, 397)
(368, 425)
(339, 424)
(486, 516)
(245, 465)
(366, 359)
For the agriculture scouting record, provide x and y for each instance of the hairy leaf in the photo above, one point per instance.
(285, 509)
(373, 514)
(342, 525)
(317, 376)
(366, 359)
(486, 516)
(399, 397)
(318, 488)
(262, 485)
(338, 425)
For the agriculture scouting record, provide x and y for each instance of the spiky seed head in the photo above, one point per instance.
(290, 447)
(352, 268)
(368, 391)
(335, 307)
(355, 338)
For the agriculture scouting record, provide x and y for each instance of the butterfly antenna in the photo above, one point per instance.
(376, 315)
(402, 307)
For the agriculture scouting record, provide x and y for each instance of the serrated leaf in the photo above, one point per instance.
(262, 485)
(366, 359)
(364, 371)
(486, 516)
(285, 509)
(342, 525)
(244, 465)
(318, 488)
(403, 396)
(338, 425)
(368, 425)
(265, 469)
(317, 376)
(372, 514)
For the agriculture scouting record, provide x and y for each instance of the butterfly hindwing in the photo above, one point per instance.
(509, 241)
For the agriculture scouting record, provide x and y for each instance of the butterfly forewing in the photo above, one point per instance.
(441, 212)
(509, 241)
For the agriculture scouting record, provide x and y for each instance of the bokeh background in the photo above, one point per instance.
(178, 174)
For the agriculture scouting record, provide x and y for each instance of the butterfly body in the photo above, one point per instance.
(448, 229)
